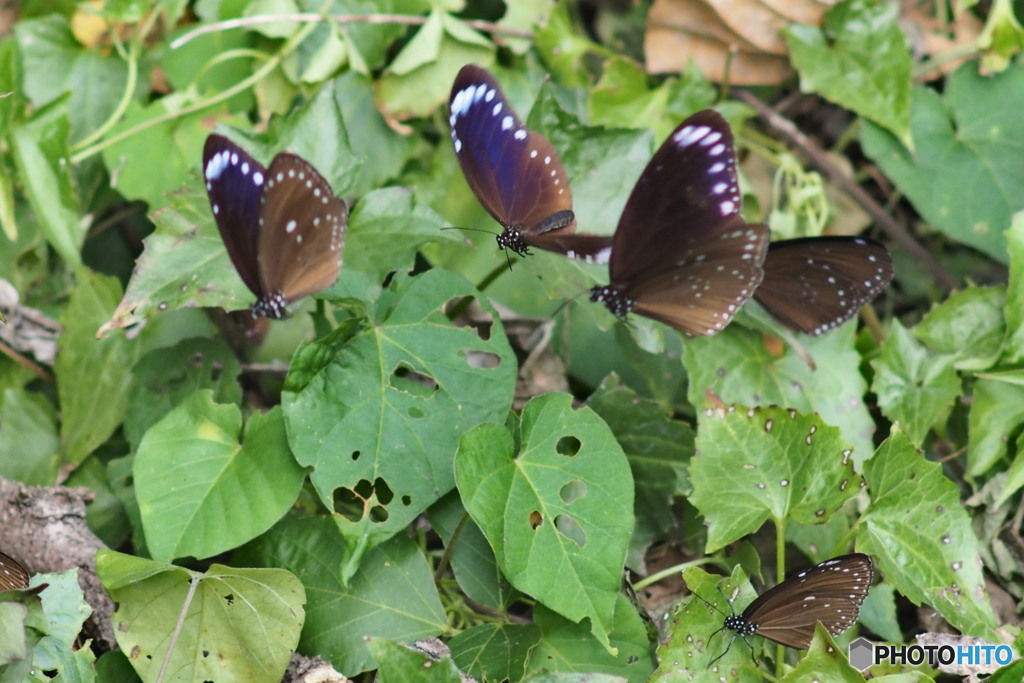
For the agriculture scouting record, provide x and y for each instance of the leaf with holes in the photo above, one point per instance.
(558, 514)
(767, 463)
(251, 618)
(740, 368)
(921, 537)
(378, 411)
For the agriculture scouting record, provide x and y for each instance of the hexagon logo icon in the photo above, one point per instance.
(861, 654)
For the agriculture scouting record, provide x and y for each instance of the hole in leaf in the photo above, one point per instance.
(364, 489)
(355, 455)
(406, 500)
(568, 445)
(536, 519)
(573, 491)
(229, 598)
(464, 311)
(378, 514)
(384, 493)
(571, 529)
(348, 504)
(416, 412)
(404, 378)
(481, 359)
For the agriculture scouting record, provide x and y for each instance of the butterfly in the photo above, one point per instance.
(830, 592)
(12, 575)
(515, 173)
(814, 284)
(283, 227)
(681, 253)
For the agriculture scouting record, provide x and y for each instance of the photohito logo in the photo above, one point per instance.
(978, 656)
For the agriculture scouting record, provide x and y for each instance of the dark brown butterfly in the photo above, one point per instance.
(831, 592)
(12, 575)
(283, 227)
(515, 173)
(816, 283)
(681, 253)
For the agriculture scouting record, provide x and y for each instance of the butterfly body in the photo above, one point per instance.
(681, 253)
(282, 225)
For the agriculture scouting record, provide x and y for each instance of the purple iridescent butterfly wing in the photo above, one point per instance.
(283, 227)
(515, 173)
(816, 283)
(831, 592)
(682, 254)
(234, 185)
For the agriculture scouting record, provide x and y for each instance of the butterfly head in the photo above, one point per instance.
(512, 238)
(615, 299)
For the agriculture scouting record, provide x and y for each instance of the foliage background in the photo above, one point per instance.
(389, 464)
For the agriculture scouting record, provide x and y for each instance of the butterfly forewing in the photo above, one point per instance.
(12, 575)
(708, 284)
(816, 283)
(515, 173)
(302, 230)
(831, 592)
(234, 185)
(684, 198)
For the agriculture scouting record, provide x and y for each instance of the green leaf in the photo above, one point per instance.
(377, 412)
(65, 610)
(1014, 476)
(921, 538)
(1013, 352)
(558, 514)
(393, 595)
(996, 412)
(205, 487)
(382, 151)
(166, 376)
(860, 60)
(495, 652)
(386, 229)
(657, 448)
(824, 661)
(402, 664)
(964, 175)
(28, 427)
(239, 624)
(40, 153)
(472, 560)
(54, 63)
(1001, 39)
(969, 325)
(914, 387)
(689, 644)
(767, 463)
(149, 163)
(738, 366)
(419, 79)
(93, 375)
(568, 648)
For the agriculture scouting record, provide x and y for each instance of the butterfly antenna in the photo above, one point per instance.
(459, 227)
(565, 303)
(727, 647)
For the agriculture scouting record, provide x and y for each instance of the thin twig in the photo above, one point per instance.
(177, 627)
(305, 17)
(896, 232)
(25, 363)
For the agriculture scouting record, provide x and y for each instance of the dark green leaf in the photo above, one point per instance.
(963, 176)
(765, 464)
(969, 325)
(398, 663)
(28, 427)
(921, 537)
(558, 514)
(860, 60)
(495, 652)
(205, 487)
(915, 388)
